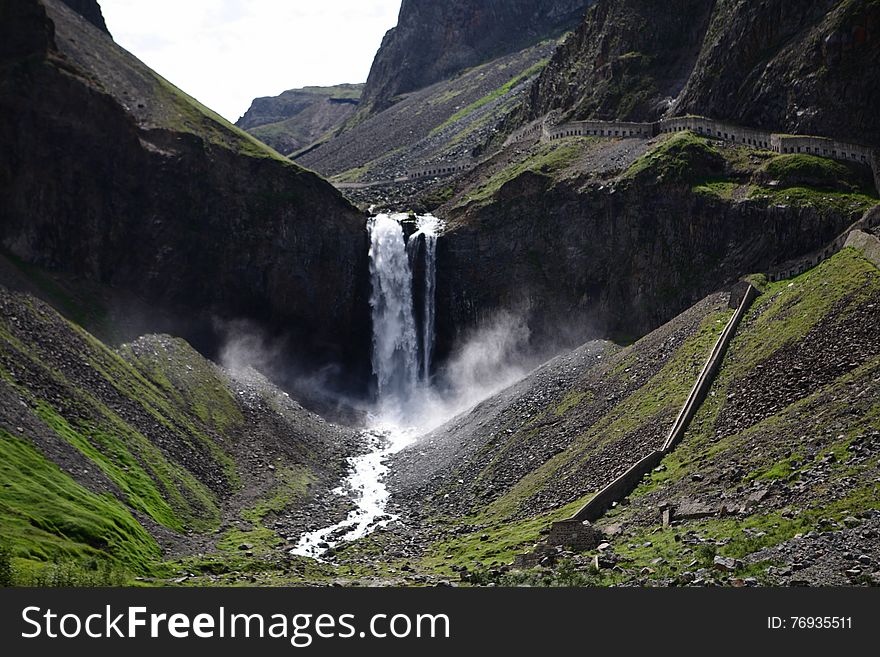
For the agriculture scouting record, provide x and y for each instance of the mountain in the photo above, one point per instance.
(444, 122)
(111, 175)
(808, 69)
(435, 40)
(300, 117)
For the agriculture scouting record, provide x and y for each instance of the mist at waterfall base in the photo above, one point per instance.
(411, 396)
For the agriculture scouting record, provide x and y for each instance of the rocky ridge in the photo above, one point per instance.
(433, 41)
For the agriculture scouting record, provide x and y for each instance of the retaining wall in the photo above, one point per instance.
(439, 169)
(629, 480)
(603, 129)
(824, 147)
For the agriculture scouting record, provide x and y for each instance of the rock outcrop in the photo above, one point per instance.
(434, 40)
(110, 174)
(628, 60)
(617, 256)
(91, 11)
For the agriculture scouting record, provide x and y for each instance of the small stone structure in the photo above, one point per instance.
(575, 535)
(440, 169)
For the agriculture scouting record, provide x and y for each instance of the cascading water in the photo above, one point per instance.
(428, 230)
(402, 354)
(395, 342)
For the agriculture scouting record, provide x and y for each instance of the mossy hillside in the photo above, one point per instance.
(789, 309)
(728, 172)
(193, 390)
(828, 422)
(291, 485)
(131, 425)
(549, 159)
(185, 114)
(493, 95)
(656, 401)
(682, 157)
(855, 204)
(494, 542)
(822, 173)
(782, 316)
(46, 516)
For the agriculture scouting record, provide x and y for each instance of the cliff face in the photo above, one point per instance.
(434, 40)
(628, 60)
(110, 174)
(300, 117)
(808, 67)
(581, 254)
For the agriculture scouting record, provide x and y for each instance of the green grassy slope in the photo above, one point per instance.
(790, 415)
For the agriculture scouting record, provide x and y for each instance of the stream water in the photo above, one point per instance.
(402, 354)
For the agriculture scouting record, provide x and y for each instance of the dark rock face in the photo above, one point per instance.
(628, 60)
(94, 182)
(434, 40)
(299, 117)
(615, 261)
(808, 67)
(90, 10)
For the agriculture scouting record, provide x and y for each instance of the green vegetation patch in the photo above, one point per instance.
(503, 90)
(836, 202)
(789, 309)
(45, 515)
(547, 160)
(801, 170)
(683, 157)
(650, 404)
(495, 542)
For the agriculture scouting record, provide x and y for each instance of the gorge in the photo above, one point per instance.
(463, 302)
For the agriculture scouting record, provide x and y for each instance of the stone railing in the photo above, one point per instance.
(701, 125)
(743, 296)
(440, 169)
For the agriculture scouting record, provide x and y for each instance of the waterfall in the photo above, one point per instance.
(428, 229)
(403, 335)
(402, 350)
(395, 342)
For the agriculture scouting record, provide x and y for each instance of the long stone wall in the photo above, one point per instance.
(701, 125)
(602, 129)
(627, 482)
(440, 169)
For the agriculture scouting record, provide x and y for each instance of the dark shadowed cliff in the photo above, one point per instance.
(434, 40)
(110, 174)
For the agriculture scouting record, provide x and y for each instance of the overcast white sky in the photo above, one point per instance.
(225, 53)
